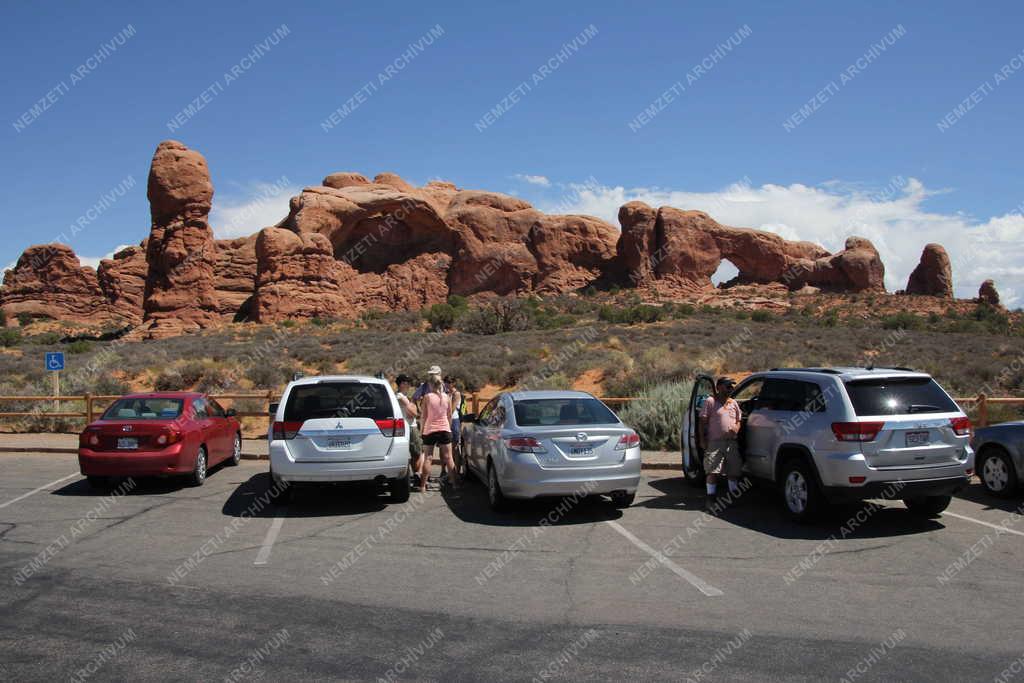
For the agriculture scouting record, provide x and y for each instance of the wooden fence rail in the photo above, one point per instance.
(93, 404)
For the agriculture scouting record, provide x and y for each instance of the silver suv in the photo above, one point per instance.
(336, 429)
(833, 435)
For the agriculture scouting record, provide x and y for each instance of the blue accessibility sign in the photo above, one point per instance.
(55, 360)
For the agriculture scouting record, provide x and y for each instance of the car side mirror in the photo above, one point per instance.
(273, 408)
(468, 418)
(230, 412)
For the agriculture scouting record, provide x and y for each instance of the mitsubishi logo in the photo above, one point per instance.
(582, 436)
(339, 425)
(126, 428)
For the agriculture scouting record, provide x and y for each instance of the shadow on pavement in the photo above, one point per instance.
(143, 485)
(470, 505)
(257, 498)
(760, 509)
(976, 493)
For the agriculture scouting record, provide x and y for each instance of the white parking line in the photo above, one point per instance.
(268, 542)
(988, 524)
(697, 582)
(41, 488)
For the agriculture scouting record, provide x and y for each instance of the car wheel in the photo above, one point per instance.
(236, 451)
(99, 483)
(495, 497)
(694, 475)
(399, 488)
(622, 500)
(198, 475)
(800, 491)
(927, 506)
(996, 471)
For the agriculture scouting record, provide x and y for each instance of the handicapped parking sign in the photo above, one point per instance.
(55, 360)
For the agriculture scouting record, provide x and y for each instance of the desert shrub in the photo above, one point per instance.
(3, 318)
(459, 303)
(590, 291)
(658, 414)
(24, 319)
(268, 375)
(902, 320)
(441, 316)
(630, 315)
(288, 323)
(682, 311)
(45, 339)
(79, 346)
(505, 315)
(830, 318)
(761, 316)
(10, 337)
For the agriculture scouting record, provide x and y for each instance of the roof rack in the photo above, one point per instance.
(827, 371)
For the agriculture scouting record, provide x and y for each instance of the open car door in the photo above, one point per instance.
(693, 450)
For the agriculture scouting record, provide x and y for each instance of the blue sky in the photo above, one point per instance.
(873, 155)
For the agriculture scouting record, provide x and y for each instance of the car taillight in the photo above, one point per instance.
(285, 430)
(631, 440)
(391, 427)
(89, 437)
(856, 431)
(961, 425)
(525, 444)
(168, 436)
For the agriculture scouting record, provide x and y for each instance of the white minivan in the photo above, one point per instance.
(339, 429)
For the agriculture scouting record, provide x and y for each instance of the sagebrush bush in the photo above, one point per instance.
(658, 415)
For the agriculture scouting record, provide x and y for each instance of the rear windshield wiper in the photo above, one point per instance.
(923, 408)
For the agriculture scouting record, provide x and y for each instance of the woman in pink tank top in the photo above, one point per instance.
(436, 428)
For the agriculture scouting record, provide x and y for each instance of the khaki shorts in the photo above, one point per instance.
(723, 457)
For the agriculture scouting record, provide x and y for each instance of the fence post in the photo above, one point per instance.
(982, 410)
(88, 407)
(476, 403)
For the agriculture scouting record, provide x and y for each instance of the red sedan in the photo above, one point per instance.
(159, 434)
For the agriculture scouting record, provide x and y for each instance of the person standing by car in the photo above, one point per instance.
(436, 412)
(720, 420)
(410, 412)
(458, 403)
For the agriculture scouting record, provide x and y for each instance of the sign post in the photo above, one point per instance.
(54, 364)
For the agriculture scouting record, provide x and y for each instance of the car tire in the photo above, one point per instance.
(694, 476)
(927, 506)
(99, 483)
(996, 471)
(623, 500)
(236, 451)
(495, 497)
(198, 475)
(801, 495)
(399, 488)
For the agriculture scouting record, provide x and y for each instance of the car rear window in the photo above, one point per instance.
(541, 412)
(338, 399)
(898, 396)
(144, 409)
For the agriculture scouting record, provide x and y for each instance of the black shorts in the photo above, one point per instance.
(437, 438)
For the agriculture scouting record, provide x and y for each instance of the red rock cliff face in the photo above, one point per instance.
(48, 281)
(933, 275)
(123, 281)
(180, 293)
(298, 277)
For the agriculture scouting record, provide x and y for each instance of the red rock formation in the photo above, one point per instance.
(933, 276)
(298, 277)
(987, 293)
(680, 251)
(235, 272)
(48, 281)
(123, 281)
(180, 288)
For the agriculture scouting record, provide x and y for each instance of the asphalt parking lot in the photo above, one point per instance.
(206, 583)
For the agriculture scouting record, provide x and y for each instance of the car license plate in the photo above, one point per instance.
(917, 438)
(339, 443)
(127, 443)
(581, 451)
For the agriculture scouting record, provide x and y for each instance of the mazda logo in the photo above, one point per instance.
(582, 436)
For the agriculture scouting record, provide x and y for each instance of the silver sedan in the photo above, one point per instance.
(1000, 456)
(530, 444)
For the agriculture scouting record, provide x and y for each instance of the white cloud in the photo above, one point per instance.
(533, 179)
(893, 218)
(251, 207)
